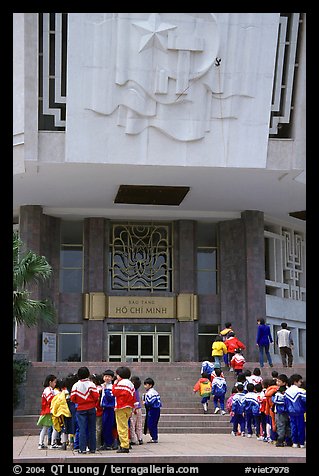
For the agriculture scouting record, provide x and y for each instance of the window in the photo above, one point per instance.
(70, 343)
(206, 259)
(71, 257)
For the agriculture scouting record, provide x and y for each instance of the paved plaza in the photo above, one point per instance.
(172, 448)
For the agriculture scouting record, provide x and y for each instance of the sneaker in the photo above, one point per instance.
(92, 451)
(41, 447)
(55, 447)
(302, 446)
(243, 434)
(216, 410)
(295, 445)
(271, 365)
(260, 438)
(278, 444)
(123, 450)
(223, 412)
(133, 443)
(153, 441)
(249, 435)
(231, 369)
(233, 433)
(82, 452)
(140, 442)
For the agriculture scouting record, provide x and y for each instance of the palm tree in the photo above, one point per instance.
(29, 269)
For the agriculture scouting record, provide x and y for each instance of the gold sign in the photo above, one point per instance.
(98, 306)
(120, 306)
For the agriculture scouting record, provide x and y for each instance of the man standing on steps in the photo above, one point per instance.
(285, 344)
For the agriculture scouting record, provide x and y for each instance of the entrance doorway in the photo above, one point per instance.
(139, 343)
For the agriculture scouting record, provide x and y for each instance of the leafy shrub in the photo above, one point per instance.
(19, 374)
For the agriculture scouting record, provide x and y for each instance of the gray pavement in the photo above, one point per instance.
(172, 448)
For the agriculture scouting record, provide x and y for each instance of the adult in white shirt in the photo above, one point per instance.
(285, 344)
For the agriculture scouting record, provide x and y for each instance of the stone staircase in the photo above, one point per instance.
(182, 411)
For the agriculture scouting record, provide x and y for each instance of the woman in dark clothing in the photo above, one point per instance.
(263, 341)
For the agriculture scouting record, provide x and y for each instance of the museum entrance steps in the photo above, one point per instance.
(182, 411)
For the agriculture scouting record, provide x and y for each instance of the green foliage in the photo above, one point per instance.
(29, 269)
(19, 374)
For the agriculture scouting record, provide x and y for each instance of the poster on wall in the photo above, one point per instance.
(48, 347)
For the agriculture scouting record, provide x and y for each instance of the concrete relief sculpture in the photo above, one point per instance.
(160, 70)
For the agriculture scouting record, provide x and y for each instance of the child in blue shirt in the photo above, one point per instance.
(152, 402)
(295, 401)
(219, 389)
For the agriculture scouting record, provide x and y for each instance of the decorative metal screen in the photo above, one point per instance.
(285, 263)
(141, 257)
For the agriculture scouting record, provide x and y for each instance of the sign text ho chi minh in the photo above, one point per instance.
(141, 307)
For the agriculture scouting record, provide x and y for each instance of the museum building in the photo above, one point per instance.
(159, 166)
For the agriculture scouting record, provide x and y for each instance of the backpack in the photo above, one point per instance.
(205, 388)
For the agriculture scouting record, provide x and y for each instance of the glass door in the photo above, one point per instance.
(139, 348)
(127, 345)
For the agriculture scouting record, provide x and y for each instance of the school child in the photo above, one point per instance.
(225, 333)
(251, 408)
(45, 418)
(270, 388)
(219, 389)
(213, 375)
(207, 367)
(260, 418)
(232, 343)
(295, 401)
(229, 403)
(85, 394)
(136, 417)
(204, 387)
(123, 391)
(59, 410)
(281, 414)
(255, 376)
(71, 424)
(109, 432)
(218, 350)
(237, 362)
(241, 378)
(97, 379)
(152, 402)
(238, 411)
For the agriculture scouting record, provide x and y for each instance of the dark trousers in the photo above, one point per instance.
(108, 423)
(286, 354)
(238, 419)
(87, 421)
(153, 416)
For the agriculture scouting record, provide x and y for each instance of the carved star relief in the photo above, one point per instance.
(155, 29)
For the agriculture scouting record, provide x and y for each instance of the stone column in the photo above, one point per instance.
(253, 222)
(187, 343)
(41, 234)
(242, 276)
(96, 247)
(29, 339)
